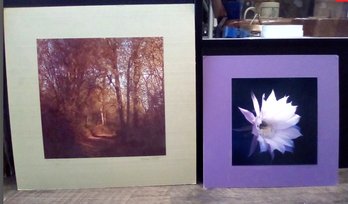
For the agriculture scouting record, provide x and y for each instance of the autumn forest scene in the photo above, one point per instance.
(102, 97)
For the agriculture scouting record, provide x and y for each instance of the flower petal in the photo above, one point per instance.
(290, 133)
(284, 141)
(248, 115)
(278, 113)
(253, 146)
(284, 124)
(263, 145)
(293, 120)
(272, 97)
(275, 145)
(283, 100)
(256, 104)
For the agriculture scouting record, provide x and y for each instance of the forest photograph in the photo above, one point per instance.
(102, 97)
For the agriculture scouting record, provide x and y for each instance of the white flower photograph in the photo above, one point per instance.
(274, 121)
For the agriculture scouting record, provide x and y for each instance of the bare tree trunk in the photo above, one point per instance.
(136, 79)
(135, 111)
(128, 89)
(117, 85)
(131, 84)
(102, 115)
(119, 98)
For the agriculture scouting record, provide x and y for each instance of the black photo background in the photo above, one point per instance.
(302, 92)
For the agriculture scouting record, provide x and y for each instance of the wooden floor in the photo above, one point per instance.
(181, 194)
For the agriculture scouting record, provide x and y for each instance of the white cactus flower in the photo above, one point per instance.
(274, 125)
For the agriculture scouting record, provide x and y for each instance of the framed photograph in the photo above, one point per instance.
(95, 93)
(102, 97)
(270, 120)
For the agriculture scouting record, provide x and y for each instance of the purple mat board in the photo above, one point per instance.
(219, 71)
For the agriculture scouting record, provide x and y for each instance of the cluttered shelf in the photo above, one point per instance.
(273, 19)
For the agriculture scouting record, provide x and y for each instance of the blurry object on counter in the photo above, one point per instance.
(232, 32)
(282, 31)
(267, 9)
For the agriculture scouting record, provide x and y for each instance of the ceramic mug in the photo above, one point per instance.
(265, 10)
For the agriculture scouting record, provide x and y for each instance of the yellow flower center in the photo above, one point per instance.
(265, 130)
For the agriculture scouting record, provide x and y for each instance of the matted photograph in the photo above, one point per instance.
(274, 121)
(102, 97)
(95, 93)
(270, 120)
